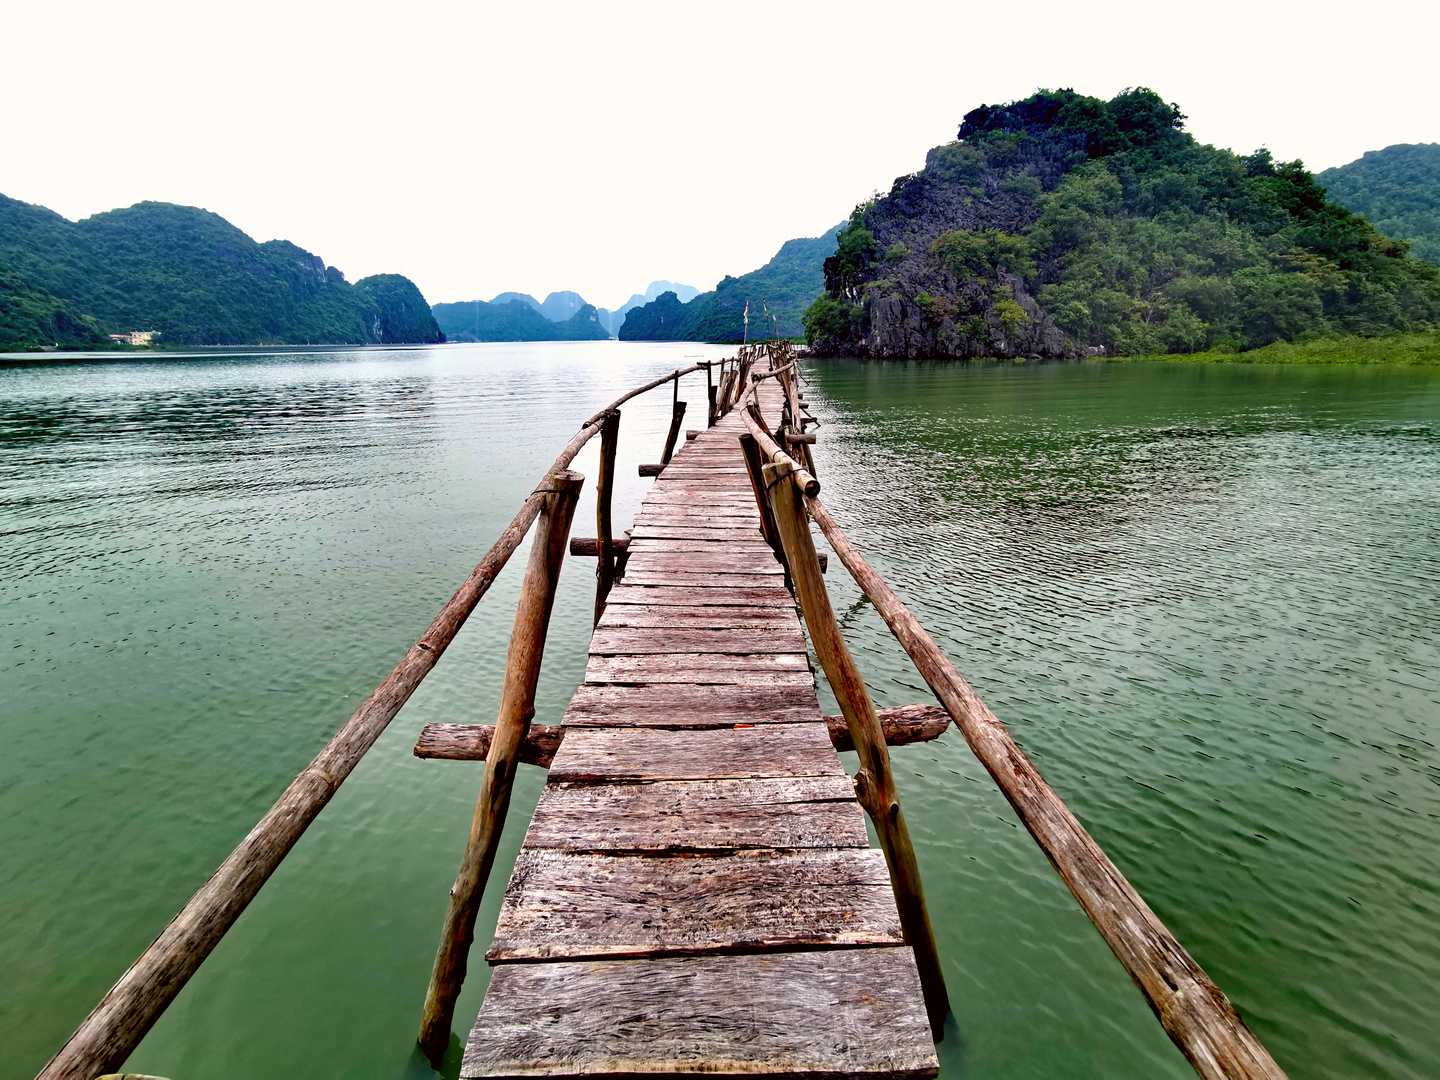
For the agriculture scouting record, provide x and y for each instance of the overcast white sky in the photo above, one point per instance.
(477, 147)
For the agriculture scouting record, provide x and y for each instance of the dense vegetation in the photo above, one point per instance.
(1063, 224)
(200, 281)
(778, 294)
(514, 320)
(1398, 191)
(31, 318)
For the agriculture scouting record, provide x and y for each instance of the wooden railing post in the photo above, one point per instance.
(710, 395)
(604, 530)
(755, 466)
(676, 416)
(517, 706)
(875, 783)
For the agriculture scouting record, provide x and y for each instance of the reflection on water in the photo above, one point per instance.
(1204, 599)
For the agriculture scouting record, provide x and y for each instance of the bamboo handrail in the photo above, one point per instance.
(116, 1025)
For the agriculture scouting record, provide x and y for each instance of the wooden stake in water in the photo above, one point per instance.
(517, 707)
(875, 783)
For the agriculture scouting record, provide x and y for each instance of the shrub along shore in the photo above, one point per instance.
(1408, 349)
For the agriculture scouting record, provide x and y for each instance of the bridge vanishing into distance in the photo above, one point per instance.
(695, 893)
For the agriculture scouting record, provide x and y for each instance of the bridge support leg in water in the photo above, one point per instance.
(517, 707)
(604, 492)
(875, 783)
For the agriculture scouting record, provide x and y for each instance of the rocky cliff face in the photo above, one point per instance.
(897, 295)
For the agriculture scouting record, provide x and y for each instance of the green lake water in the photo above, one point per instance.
(1206, 599)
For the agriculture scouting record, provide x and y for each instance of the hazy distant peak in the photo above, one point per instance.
(526, 298)
(684, 293)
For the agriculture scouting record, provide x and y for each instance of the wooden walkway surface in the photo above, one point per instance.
(696, 893)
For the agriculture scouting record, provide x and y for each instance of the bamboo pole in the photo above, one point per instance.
(755, 467)
(773, 454)
(517, 707)
(875, 782)
(1197, 1016)
(116, 1025)
(677, 415)
(604, 529)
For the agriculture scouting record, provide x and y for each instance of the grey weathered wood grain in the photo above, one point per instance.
(639, 641)
(709, 579)
(690, 705)
(698, 471)
(697, 509)
(752, 543)
(708, 497)
(718, 616)
(704, 562)
(563, 906)
(740, 532)
(471, 742)
(809, 1014)
(614, 755)
(692, 594)
(699, 815)
(758, 669)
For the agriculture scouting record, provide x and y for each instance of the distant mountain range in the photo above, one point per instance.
(777, 295)
(190, 275)
(516, 317)
(1398, 191)
(493, 320)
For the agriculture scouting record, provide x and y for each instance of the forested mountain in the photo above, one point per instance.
(31, 318)
(1063, 222)
(200, 281)
(1398, 191)
(514, 320)
(475, 320)
(778, 294)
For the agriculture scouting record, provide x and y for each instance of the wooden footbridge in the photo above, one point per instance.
(696, 893)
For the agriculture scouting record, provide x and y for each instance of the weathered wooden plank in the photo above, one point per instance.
(720, 517)
(710, 579)
(726, 485)
(825, 1014)
(704, 562)
(691, 502)
(563, 906)
(699, 471)
(639, 641)
(664, 501)
(678, 816)
(689, 705)
(693, 594)
(749, 543)
(615, 755)
(690, 530)
(759, 669)
(715, 616)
